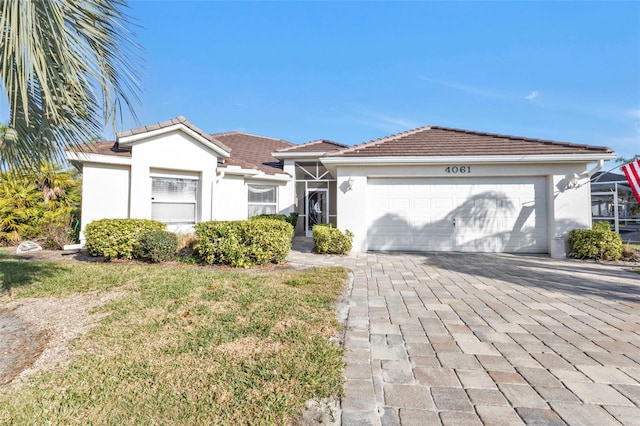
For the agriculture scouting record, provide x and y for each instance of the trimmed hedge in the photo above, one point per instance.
(292, 218)
(243, 243)
(330, 240)
(117, 238)
(600, 243)
(156, 246)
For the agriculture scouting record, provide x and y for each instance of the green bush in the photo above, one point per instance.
(156, 246)
(599, 243)
(244, 243)
(601, 226)
(41, 204)
(292, 218)
(114, 238)
(330, 240)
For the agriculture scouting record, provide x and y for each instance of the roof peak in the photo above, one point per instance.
(168, 123)
(314, 142)
(238, 132)
(439, 139)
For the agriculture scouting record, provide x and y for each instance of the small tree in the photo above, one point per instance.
(43, 204)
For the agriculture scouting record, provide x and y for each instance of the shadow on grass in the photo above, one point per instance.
(16, 271)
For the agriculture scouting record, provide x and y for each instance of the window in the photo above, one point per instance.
(262, 199)
(173, 200)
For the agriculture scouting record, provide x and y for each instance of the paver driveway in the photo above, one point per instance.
(489, 339)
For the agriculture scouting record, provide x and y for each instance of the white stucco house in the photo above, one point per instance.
(428, 189)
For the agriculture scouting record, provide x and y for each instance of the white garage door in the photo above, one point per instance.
(457, 214)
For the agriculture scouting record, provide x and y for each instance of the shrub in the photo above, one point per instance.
(42, 204)
(599, 243)
(243, 243)
(601, 226)
(156, 246)
(114, 238)
(292, 218)
(330, 240)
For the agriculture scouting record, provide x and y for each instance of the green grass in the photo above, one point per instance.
(184, 346)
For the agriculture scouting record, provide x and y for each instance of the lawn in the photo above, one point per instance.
(182, 345)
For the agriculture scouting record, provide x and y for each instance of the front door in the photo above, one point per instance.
(317, 208)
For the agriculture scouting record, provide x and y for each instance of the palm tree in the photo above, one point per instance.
(67, 69)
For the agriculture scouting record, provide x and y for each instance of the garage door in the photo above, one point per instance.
(459, 214)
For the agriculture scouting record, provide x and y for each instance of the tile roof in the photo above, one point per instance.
(320, 145)
(254, 150)
(163, 124)
(103, 148)
(443, 141)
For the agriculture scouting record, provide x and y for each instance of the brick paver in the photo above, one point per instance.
(488, 339)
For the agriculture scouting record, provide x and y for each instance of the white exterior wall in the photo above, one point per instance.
(568, 208)
(173, 152)
(105, 193)
(230, 198)
(287, 194)
(232, 195)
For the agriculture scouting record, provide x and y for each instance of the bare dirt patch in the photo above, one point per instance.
(35, 333)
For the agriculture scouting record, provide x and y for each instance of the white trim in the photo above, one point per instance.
(253, 174)
(90, 157)
(270, 178)
(239, 171)
(310, 155)
(470, 159)
(174, 174)
(129, 140)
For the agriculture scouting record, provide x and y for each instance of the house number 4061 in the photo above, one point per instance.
(457, 169)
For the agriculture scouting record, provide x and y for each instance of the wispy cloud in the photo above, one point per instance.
(383, 121)
(533, 95)
(471, 90)
(635, 113)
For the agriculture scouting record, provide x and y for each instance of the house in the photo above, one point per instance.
(427, 189)
(612, 200)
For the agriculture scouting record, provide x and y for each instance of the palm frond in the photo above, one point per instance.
(67, 68)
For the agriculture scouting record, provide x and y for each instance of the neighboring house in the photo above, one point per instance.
(428, 189)
(612, 200)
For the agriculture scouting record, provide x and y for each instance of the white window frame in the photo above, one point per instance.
(165, 200)
(265, 187)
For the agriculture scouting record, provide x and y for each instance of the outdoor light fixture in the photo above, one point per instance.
(573, 182)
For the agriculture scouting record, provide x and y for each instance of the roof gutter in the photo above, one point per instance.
(298, 155)
(333, 162)
(469, 159)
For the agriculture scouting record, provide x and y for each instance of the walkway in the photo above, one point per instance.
(466, 339)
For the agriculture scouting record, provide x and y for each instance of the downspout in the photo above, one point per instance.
(213, 185)
(596, 169)
(574, 182)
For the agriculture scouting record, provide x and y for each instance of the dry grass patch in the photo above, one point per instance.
(186, 346)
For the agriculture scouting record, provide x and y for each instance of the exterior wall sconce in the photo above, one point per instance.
(573, 181)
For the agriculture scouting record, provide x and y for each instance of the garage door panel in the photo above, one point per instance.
(484, 214)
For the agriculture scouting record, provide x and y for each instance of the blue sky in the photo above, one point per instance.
(355, 71)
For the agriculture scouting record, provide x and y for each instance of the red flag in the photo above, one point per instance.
(632, 172)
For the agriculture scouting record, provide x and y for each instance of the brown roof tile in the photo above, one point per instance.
(103, 148)
(320, 145)
(178, 120)
(254, 150)
(443, 141)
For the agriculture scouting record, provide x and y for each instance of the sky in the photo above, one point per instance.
(356, 71)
